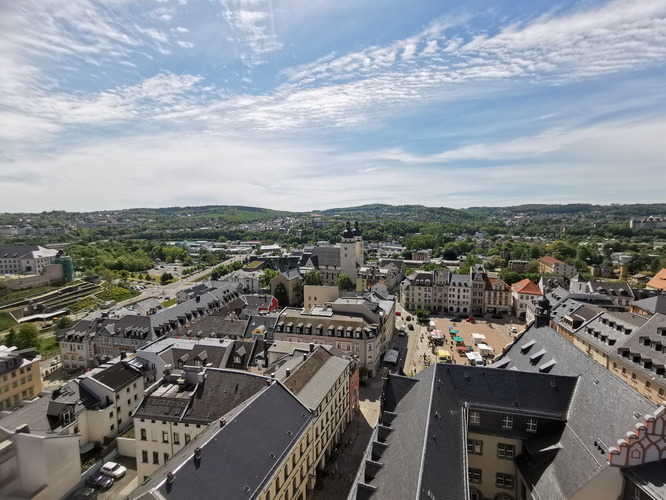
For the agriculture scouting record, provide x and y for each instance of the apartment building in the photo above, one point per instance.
(551, 265)
(27, 259)
(522, 293)
(359, 326)
(182, 403)
(92, 341)
(262, 451)
(20, 376)
(497, 297)
(95, 407)
(321, 381)
(37, 465)
(523, 429)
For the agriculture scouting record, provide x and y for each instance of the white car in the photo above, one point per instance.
(513, 329)
(113, 469)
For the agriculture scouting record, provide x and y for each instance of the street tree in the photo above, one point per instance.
(313, 277)
(344, 282)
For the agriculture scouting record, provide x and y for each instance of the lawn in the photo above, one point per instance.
(48, 346)
(170, 302)
(6, 321)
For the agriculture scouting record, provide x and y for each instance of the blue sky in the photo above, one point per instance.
(313, 104)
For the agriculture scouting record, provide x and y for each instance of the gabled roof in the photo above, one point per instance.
(526, 286)
(326, 256)
(548, 260)
(596, 414)
(117, 375)
(239, 459)
(659, 281)
(656, 304)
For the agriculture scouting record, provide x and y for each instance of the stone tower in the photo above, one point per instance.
(351, 251)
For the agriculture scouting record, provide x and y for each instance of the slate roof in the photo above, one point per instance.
(35, 414)
(239, 459)
(118, 375)
(641, 347)
(190, 351)
(216, 324)
(610, 288)
(656, 304)
(315, 377)
(26, 251)
(424, 423)
(603, 408)
(221, 392)
(325, 256)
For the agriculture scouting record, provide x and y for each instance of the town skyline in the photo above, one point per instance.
(112, 105)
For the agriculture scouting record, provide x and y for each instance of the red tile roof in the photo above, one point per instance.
(526, 286)
(659, 281)
(548, 260)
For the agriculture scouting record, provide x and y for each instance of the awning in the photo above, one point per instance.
(436, 332)
(436, 335)
(458, 339)
(463, 349)
(453, 332)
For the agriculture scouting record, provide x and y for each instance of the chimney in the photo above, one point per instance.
(170, 477)
(223, 422)
(312, 347)
(305, 356)
(22, 429)
(273, 375)
(288, 370)
(197, 453)
(123, 354)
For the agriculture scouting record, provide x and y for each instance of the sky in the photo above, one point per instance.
(313, 104)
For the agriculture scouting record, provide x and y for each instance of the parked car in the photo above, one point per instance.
(513, 329)
(99, 482)
(113, 469)
(409, 318)
(455, 319)
(410, 326)
(85, 494)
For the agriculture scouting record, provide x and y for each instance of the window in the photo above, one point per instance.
(531, 425)
(503, 480)
(165, 437)
(144, 456)
(661, 391)
(507, 451)
(474, 475)
(166, 457)
(647, 384)
(633, 376)
(187, 438)
(143, 435)
(474, 417)
(111, 415)
(507, 422)
(176, 438)
(156, 457)
(112, 427)
(475, 446)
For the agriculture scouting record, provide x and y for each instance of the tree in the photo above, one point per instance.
(281, 295)
(344, 282)
(64, 322)
(165, 278)
(26, 337)
(313, 277)
(422, 315)
(267, 276)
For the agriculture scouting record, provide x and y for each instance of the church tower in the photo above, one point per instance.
(351, 251)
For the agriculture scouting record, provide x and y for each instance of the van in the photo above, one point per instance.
(401, 332)
(444, 356)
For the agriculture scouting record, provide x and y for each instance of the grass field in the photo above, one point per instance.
(6, 321)
(48, 346)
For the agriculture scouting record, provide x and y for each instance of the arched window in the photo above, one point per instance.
(503, 496)
(474, 494)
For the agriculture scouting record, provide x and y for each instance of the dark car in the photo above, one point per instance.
(99, 481)
(455, 319)
(496, 316)
(464, 315)
(85, 494)
(410, 326)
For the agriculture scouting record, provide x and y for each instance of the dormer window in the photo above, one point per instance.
(507, 422)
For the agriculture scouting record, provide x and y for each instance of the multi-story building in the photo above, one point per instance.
(37, 465)
(460, 293)
(522, 293)
(91, 342)
(261, 450)
(96, 407)
(359, 326)
(497, 297)
(28, 259)
(372, 273)
(658, 282)
(321, 381)
(180, 405)
(20, 376)
(523, 429)
(292, 281)
(551, 265)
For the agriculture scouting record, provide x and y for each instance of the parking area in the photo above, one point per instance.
(126, 485)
